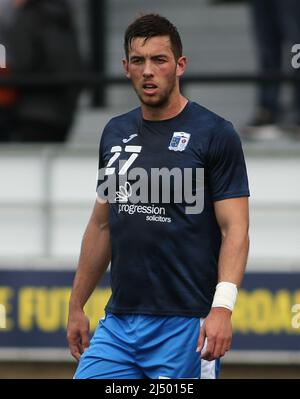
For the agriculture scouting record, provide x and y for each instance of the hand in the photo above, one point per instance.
(78, 333)
(217, 329)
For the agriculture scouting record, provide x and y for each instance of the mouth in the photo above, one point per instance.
(150, 88)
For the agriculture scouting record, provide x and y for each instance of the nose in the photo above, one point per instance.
(147, 69)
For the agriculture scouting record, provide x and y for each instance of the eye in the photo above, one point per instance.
(136, 61)
(161, 60)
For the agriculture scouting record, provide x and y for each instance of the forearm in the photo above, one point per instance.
(233, 255)
(232, 264)
(93, 262)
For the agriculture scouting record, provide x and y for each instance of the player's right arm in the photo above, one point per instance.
(93, 261)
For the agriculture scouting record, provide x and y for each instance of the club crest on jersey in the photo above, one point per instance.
(179, 141)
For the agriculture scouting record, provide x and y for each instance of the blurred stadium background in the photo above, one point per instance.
(47, 192)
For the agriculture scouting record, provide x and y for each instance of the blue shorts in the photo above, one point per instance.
(143, 346)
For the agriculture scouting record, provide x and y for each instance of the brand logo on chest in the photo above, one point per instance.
(179, 141)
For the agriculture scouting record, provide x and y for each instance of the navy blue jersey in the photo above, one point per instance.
(165, 260)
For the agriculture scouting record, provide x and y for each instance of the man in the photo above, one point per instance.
(165, 261)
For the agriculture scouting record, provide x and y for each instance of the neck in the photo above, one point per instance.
(167, 111)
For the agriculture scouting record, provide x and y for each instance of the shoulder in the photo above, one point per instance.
(123, 119)
(204, 117)
(215, 134)
(210, 126)
(127, 117)
(120, 124)
(214, 122)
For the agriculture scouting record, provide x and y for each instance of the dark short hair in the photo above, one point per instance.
(151, 25)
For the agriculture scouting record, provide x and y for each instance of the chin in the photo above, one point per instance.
(154, 102)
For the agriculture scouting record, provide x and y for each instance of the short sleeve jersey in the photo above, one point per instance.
(165, 260)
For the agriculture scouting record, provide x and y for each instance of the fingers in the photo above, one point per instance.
(201, 339)
(226, 347)
(223, 347)
(78, 344)
(210, 347)
(75, 350)
(74, 345)
(216, 348)
(78, 333)
(218, 331)
(208, 354)
(85, 341)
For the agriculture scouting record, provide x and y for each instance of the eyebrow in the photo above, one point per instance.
(153, 57)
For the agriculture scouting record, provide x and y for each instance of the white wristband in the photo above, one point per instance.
(225, 295)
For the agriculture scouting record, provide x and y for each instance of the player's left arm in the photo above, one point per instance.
(233, 218)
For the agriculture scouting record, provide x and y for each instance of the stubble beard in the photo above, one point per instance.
(160, 101)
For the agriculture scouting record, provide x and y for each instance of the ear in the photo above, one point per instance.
(181, 65)
(126, 68)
